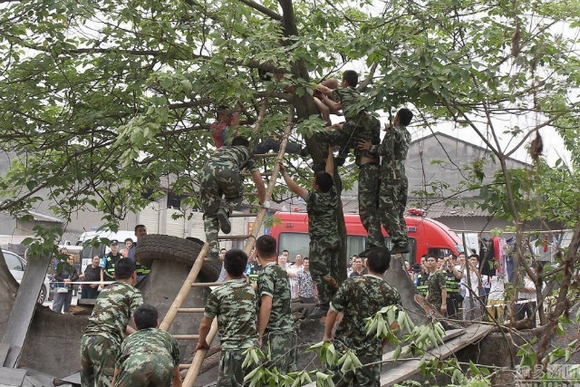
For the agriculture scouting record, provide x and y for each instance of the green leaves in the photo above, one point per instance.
(348, 362)
(327, 352)
(253, 357)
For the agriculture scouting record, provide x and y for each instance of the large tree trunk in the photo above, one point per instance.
(305, 107)
(398, 278)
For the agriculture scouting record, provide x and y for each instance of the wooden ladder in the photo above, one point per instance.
(176, 307)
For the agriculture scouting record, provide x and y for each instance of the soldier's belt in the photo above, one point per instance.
(224, 163)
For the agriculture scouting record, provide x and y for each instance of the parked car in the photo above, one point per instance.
(17, 266)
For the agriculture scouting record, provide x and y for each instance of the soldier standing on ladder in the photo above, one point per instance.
(221, 176)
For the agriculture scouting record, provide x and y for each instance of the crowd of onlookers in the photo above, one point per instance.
(459, 288)
(302, 287)
(94, 277)
(456, 277)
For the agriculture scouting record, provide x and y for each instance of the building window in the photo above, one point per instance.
(173, 201)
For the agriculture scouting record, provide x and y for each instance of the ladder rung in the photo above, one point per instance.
(233, 237)
(186, 337)
(204, 284)
(190, 310)
(194, 368)
(265, 155)
(242, 215)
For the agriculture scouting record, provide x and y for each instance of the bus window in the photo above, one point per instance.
(295, 243)
(439, 252)
(355, 244)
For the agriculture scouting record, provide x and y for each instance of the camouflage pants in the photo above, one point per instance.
(98, 356)
(392, 203)
(367, 376)
(231, 373)
(368, 202)
(348, 136)
(217, 180)
(280, 348)
(324, 262)
(146, 370)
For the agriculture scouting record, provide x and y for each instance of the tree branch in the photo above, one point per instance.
(261, 8)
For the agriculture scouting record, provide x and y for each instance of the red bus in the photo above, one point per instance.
(426, 236)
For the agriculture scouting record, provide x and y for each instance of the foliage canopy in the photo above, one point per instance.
(101, 100)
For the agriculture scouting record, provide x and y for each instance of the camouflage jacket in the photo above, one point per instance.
(113, 310)
(322, 209)
(236, 156)
(235, 305)
(357, 298)
(394, 149)
(435, 283)
(273, 281)
(351, 101)
(149, 341)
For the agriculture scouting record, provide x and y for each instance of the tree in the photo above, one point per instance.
(100, 100)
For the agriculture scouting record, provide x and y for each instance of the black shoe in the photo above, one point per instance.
(304, 152)
(319, 312)
(402, 249)
(224, 221)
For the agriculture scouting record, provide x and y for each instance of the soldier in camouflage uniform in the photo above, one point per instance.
(436, 285)
(150, 356)
(235, 306)
(357, 298)
(221, 176)
(393, 180)
(360, 125)
(101, 342)
(322, 207)
(276, 331)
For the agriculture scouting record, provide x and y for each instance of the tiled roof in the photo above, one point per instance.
(437, 208)
(45, 218)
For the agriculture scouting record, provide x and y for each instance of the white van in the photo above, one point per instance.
(101, 243)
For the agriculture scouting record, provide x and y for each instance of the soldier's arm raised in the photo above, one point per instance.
(330, 161)
(292, 185)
